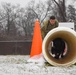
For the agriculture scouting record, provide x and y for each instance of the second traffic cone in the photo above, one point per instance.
(36, 47)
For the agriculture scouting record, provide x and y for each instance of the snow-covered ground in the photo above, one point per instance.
(18, 65)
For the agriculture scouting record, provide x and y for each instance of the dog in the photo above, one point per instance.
(58, 47)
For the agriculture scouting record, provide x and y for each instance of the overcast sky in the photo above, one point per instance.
(25, 2)
(21, 2)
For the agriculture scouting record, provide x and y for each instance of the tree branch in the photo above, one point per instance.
(60, 10)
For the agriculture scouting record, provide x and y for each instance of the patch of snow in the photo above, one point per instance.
(38, 59)
(18, 65)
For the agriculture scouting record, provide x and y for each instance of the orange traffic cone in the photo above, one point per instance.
(36, 48)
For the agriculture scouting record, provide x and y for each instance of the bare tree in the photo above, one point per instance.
(61, 9)
(72, 14)
(24, 21)
(9, 16)
(41, 10)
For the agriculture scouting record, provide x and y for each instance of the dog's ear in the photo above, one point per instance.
(53, 50)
